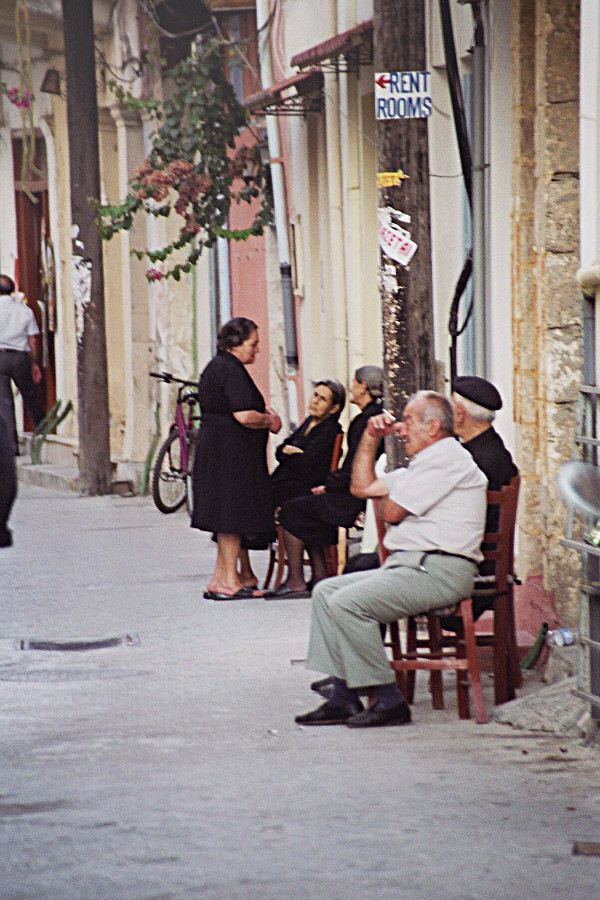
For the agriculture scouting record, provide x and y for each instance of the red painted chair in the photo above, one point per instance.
(439, 652)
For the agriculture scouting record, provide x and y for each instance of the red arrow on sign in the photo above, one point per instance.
(382, 81)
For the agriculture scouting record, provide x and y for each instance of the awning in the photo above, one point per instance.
(350, 42)
(297, 95)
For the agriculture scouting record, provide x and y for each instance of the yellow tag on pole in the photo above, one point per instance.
(390, 179)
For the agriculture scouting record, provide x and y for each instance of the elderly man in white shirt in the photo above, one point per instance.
(436, 510)
(19, 357)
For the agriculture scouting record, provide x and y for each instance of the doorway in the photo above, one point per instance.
(34, 268)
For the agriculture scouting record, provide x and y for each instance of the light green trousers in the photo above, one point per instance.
(345, 639)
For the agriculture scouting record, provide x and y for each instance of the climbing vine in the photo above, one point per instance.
(22, 97)
(196, 169)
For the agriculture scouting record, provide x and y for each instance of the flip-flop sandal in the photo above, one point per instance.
(285, 593)
(244, 593)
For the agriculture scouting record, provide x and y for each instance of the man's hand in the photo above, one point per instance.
(382, 425)
(36, 373)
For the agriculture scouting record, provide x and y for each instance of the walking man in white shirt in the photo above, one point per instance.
(436, 510)
(19, 357)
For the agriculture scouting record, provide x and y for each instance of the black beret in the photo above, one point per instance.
(478, 390)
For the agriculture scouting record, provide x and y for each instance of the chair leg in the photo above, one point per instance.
(503, 661)
(516, 666)
(396, 648)
(281, 558)
(271, 566)
(411, 648)
(342, 550)
(466, 610)
(331, 559)
(436, 688)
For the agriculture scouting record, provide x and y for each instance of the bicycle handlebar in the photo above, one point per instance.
(168, 378)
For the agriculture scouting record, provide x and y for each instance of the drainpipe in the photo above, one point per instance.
(479, 199)
(337, 285)
(224, 280)
(346, 18)
(279, 204)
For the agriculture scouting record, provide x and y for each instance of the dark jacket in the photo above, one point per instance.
(340, 479)
(297, 473)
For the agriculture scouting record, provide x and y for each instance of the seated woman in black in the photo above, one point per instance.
(305, 456)
(312, 521)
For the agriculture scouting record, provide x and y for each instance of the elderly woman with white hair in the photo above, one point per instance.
(312, 522)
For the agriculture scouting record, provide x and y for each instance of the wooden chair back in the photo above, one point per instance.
(337, 451)
(498, 546)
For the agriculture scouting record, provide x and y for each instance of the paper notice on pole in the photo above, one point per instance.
(393, 240)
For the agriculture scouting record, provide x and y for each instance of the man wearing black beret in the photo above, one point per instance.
(475, 402)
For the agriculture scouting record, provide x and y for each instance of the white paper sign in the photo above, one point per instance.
(393, 240)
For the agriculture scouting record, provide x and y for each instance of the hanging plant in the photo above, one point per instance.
(195, 169)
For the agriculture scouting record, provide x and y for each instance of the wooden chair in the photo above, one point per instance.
(459, 651)
(499, 595)
(277, 557)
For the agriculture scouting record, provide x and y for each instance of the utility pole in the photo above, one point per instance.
(86, 276)
(402, 144)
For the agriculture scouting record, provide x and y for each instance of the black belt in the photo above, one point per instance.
(445, 553)
(12, 350)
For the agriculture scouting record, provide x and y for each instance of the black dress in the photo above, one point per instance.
(297, 473)
(232, 489)
(315, 519)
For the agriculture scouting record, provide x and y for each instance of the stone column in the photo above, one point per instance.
(547, 307)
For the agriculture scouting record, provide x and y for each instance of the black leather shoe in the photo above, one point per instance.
(330, 714)
(380, 715)
(324, 687)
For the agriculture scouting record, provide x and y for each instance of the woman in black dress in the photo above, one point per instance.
(305, 456)
(232, 490)
(312, 522)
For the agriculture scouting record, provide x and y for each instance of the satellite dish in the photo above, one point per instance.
(579, 486)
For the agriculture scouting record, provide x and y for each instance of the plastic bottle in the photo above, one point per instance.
(593, 536)
(561, 637)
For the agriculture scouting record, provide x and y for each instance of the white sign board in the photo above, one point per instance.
(403, 95)
(393, 240)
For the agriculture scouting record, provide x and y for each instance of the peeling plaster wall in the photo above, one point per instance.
(546, 302)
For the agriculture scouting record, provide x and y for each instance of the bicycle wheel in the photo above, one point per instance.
(168, 478)
(191, 453)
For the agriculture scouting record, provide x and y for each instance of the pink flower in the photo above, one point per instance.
(21, 101)
(154, 275)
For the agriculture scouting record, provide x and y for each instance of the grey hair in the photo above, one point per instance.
(478, 413)
(437, 406)
(372, 376)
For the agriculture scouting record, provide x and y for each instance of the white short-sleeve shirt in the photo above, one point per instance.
(17, 324)
(445, 493)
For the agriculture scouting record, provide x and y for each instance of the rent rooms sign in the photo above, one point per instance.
(402, 95)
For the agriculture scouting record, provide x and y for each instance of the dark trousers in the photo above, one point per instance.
(8, 482)
(15, 365)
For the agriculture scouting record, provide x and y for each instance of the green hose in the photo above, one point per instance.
(151, 451)
(533, 655)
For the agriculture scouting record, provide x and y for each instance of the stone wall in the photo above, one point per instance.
(545, 258)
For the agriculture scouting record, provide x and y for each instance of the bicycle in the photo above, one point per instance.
(172, 471)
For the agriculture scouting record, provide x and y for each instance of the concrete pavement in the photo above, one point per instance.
(172, 767)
